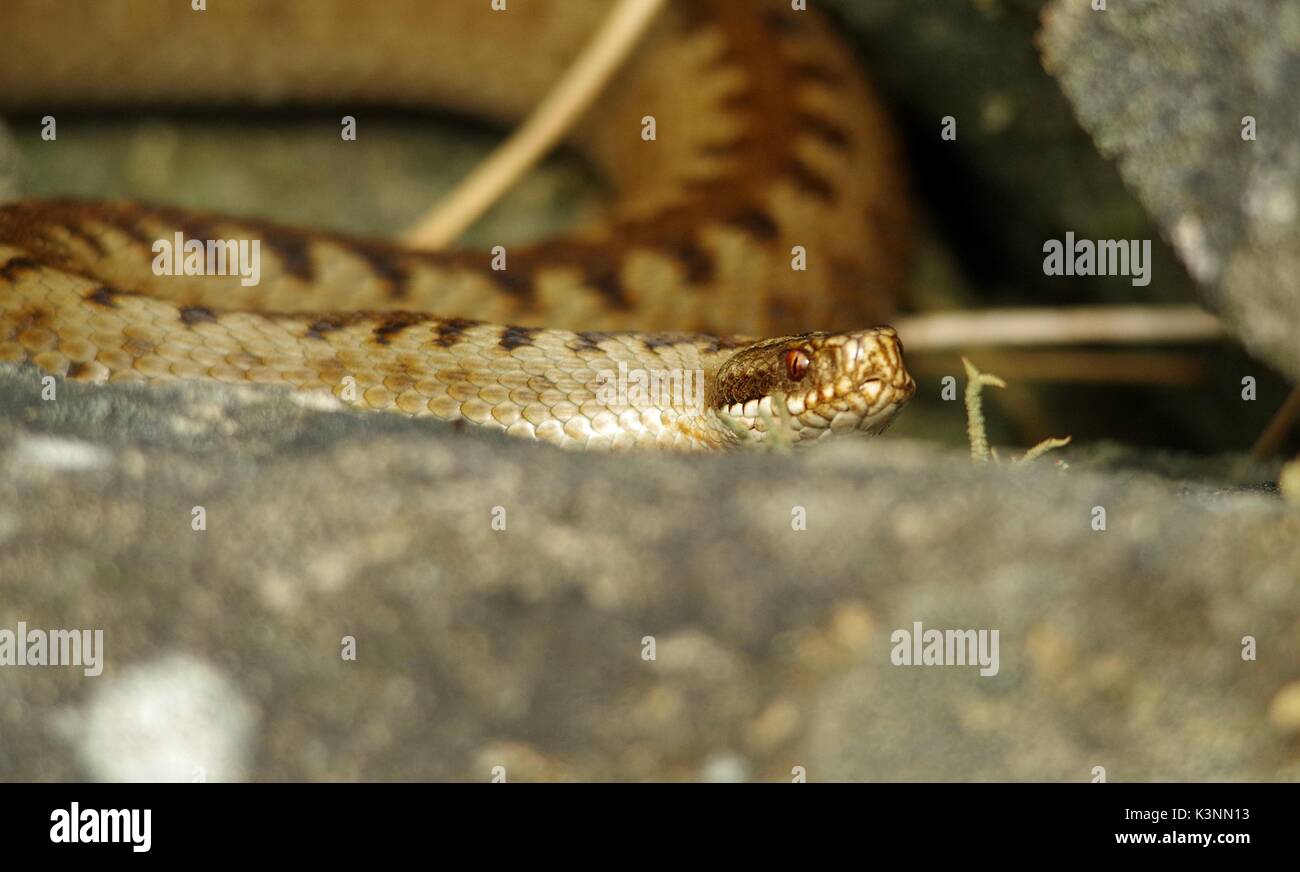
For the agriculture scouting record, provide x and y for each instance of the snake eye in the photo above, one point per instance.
(797, 363)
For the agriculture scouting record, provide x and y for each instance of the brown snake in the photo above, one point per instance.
(769, 148)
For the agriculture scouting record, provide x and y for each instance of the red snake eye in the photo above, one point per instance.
(797, 363)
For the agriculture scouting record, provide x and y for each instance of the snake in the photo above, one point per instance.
(721, 299)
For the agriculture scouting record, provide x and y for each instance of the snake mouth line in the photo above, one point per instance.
(842, 416)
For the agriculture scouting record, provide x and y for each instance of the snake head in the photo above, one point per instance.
(852, 382)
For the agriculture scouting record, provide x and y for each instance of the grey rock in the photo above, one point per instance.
(643, 617)
(172, 719)
(1165, 88)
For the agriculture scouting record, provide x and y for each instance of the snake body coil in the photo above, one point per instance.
(770, 153)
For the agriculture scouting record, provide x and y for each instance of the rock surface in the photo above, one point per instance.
(1196, 102)
(526, 648)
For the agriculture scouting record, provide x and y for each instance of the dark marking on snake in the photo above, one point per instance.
(77, 231)
(815, 71)
(291, 246)
(77, 369)
(292, 251)
(196, 227)
(605, 279)
(325, 323)
(191, 315)
(700, 267)
(137, 347)
(824, 129)
(27, 318)
(389, 268)
(449, 332)
(516, 284)
(809, 182)
(757, 222)
(587, 340)
(518, 337)
(15, 265)
(319, 328)
(103, 296)
(655, 341)
(128, 221)
(395, 322)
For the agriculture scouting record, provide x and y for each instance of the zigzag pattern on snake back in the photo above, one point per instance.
(767, 138)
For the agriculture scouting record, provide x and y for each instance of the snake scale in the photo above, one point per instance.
(769, 149)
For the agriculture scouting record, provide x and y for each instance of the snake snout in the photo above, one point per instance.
(882, 383)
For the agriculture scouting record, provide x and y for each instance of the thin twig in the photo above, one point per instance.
(975, 383)
(1284, 421)
(547, 124)
(1042, 448)
(946, 331)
